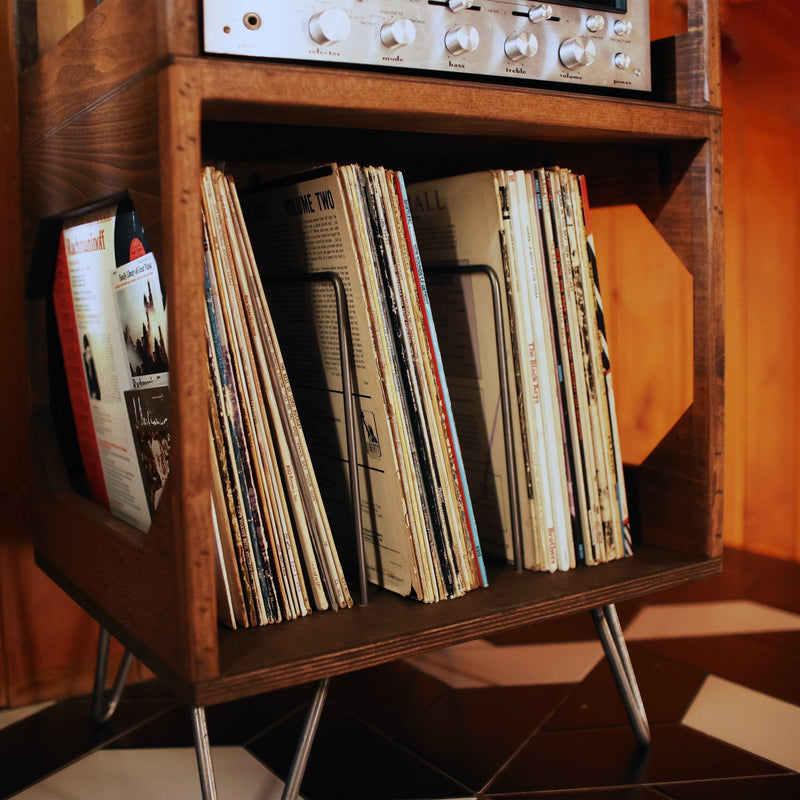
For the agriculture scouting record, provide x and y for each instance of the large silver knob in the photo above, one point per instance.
(463, 39)
(577, 52)
(459, 5)
(399, 33)
(329, 26)
(540, 12)
(522, 45)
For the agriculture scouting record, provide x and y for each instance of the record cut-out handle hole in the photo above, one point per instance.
(252, 21)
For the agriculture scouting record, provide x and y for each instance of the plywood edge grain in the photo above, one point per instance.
(259, 90)
(392, 627)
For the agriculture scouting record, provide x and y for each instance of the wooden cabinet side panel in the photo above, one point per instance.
(680, 485)
(179, 110)
(111, 48)
(708, 210)
(152, 592)
(179, 27)
(705, 32)
(687, 67)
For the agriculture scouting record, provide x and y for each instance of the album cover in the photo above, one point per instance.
(112, 323)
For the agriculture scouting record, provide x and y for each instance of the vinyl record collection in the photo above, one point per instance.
(432, 462)
(277, 550)
(531, 229)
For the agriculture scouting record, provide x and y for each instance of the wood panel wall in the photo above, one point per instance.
(47, 643)
(11, 403)
(761, 131)
(762, 199)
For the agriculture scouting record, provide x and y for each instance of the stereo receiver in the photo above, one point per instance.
(603, 44)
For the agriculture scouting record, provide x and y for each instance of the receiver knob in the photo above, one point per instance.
(577, 52)
(540, 12)
(462, 39)
(523, 45)
(622, 61)
(459, 5)
(399, 33)
(329, 26)
(595, 23)
(623, 27)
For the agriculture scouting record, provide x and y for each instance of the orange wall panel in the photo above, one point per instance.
(761, 129)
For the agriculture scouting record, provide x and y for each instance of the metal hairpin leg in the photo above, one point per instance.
(295, 776)
(103, 708)
(291, 789)
(608, 628)
(203, 751)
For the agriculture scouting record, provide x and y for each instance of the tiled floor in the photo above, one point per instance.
(533, 714)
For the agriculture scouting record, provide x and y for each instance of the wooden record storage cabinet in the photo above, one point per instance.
(127, 102)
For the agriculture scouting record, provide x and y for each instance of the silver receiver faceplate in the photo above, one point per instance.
(595, 45)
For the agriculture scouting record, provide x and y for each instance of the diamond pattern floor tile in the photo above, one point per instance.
(751, 720)
(531, 713)
(144, 774)
(708, 619)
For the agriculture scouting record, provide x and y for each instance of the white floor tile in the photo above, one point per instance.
(157, 774)
(11, 715)
(675, 620)
(480, 664)
(756, 722)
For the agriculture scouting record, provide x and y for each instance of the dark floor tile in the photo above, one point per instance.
(58, 734)
(571, 628)
(233, 723)
(737, 581)
(171, 729)
(739, 659)
(779, 584)
(598, 758)
(242, 720)
(577, 627)
(390, 697)
(667, 688)
(352, 761)
(471, 733)
(783, 641)
(614, 793)
(777, 787)
(763, 579)
(150, 689)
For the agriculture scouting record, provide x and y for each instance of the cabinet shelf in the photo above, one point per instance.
(127, 104)
(246, 91)
(390, 627)
(259, 660)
